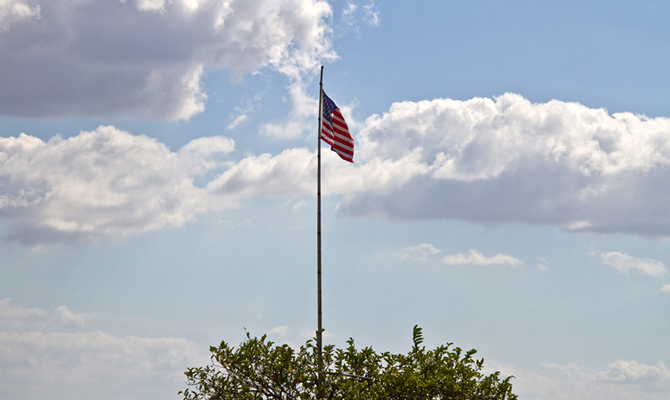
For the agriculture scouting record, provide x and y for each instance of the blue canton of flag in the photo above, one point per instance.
(334, 129)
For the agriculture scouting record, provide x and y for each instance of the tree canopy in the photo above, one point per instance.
(260, 370)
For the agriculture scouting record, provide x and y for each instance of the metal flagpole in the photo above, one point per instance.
(318, 243)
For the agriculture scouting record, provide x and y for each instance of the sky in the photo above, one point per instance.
(509, 190)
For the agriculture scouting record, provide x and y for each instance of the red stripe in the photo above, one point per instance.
(343, 147)
(343, 153)
(344, 138)
(344, 156)
(339, 121)
(342, 150)
(342, 132)
(342, 127)
(342, 143)
(338, 114)
(337, 118)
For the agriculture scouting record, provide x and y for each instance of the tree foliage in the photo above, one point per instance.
(260, 370)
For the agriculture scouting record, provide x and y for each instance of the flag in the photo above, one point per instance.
(334, 129)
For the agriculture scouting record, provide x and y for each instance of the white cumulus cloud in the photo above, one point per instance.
(509, 160)
(650, 378)
(624, 263)
(147, 58)
(621, 380)
(16, 316)
(481, 160)
(104, 183)
(298, 120)
(280, 331)
(97, 365)
(19, 317)
(44, 355)
(66, 316)
(199, 155)
(474, 257)
(422, 252)
(628, 371)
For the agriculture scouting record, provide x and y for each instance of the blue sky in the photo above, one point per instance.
(157, 188)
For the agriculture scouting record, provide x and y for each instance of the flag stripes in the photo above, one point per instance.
(334, 130)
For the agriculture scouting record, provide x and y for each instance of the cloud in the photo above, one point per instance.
(634, 372)
(242, 112)
(151, 5)
(353, 15)
(19, 317)
(651, 378)
(295, 336)
(481, 160)
(474, 257)
(371, 14)
(428, 252)
(147, 58)
(509, 160)
(199, 155)
(12, 11)
(624, 263)
(104, 183)
(299, 120)
(65, 316)
(621, 380)
(422, 252)
(61, 365)
(292, 173)
(280, 331)
(348, 12)
(39, 359)
(666, 288)
(286, 174)
(237, 120)
(298, 206)
(109, 183)
(16, 316)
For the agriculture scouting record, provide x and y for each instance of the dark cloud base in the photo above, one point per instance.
(634, 204)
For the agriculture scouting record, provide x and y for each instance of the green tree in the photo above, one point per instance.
(259, 370)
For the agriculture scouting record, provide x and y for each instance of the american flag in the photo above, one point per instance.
(334, 130)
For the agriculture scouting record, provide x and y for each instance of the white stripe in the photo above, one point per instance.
(343, 136)
(344, 146)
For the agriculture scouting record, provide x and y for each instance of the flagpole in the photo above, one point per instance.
(318, 244)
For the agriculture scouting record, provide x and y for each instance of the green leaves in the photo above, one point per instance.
(417, 337)
(259, 370)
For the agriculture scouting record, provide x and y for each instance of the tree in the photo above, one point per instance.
(259, 370)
